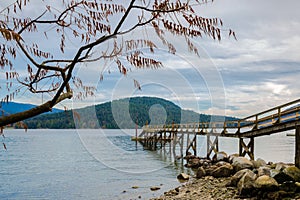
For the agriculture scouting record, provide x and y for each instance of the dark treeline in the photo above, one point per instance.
(124, 113)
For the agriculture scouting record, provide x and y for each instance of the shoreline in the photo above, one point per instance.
(202, 189)
(235, 177)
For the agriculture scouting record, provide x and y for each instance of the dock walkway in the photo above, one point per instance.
(278, 119)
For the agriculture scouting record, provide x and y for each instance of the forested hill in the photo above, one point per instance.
(122, 113)
(14, 107)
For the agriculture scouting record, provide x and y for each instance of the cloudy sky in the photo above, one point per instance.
(258, 71)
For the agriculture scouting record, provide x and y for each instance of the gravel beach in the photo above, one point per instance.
(235, 177)
(210, 188)
(205, 188)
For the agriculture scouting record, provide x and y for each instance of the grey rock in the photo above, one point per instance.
(280, 166)
(154, 188)
(298, 186)
(189, 157)
(221, 163)
(293, 172)
(240, 163)
(261, 162)
(263, 171)
(258, 163)
(246, 184)
(266, 183)
(200, 172)
(232, 156)
(279, 176)
(194, 163)
(220, 156)
(223, 171)
(183, 176)
(209, 170)
(238, 175)
(289, 186)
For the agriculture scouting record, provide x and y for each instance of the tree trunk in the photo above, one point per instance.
(46, 107)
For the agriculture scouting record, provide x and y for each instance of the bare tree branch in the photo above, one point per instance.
(46, 107)
(91, 24)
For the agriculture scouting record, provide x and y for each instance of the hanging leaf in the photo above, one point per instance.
(4, 146)
(10, 35)
(137, 84)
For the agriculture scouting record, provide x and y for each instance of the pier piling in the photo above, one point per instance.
(278, 119)
(297, 143)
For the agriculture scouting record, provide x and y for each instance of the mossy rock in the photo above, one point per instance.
(293, 172)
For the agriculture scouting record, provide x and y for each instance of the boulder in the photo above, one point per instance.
(278, 195)
(272, 166)
(189, 157)
(298, 186)
(209, 170)
(204, 162)
(258, 163)
(194, 163)
(220, 156)
(223, 171)
(293, 172)
(266, 183)
(289, 186)
(263, 171)
(279, 176)
(280, 166)
(240, 163)
(221, 163)
(238, 175)
(183, 176)
(200, 172)
(232, 156)
(261, 162)
(246, 185)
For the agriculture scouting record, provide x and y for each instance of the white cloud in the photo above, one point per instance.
(260, 70)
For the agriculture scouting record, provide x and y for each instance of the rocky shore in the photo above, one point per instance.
(235, 177)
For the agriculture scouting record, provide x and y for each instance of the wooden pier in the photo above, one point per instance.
(278, 119)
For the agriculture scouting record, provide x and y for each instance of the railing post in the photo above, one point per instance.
(256, 121)
(279, 115)
(297, 143)
(240, 146)
(251, 146)
(224, 127)
(207, 146)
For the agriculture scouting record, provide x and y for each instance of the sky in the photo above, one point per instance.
(239, 77)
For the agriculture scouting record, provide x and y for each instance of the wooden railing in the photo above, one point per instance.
(280, 114)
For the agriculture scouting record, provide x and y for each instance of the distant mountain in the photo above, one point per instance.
(13, 107)
(123, 113)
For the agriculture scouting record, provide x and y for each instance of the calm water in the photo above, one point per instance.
(97, 164)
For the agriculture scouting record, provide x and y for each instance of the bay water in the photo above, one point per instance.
(102, 164)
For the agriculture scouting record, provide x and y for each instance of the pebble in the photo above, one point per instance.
(154, 188)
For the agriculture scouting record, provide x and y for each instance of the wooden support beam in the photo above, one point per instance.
(247, 149)
(178, 139)
(181, 145)
(212, 146)
(187, 143)
(297, 143)
(192, 144)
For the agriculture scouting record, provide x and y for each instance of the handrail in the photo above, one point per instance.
(241, 123)
(272, 109)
